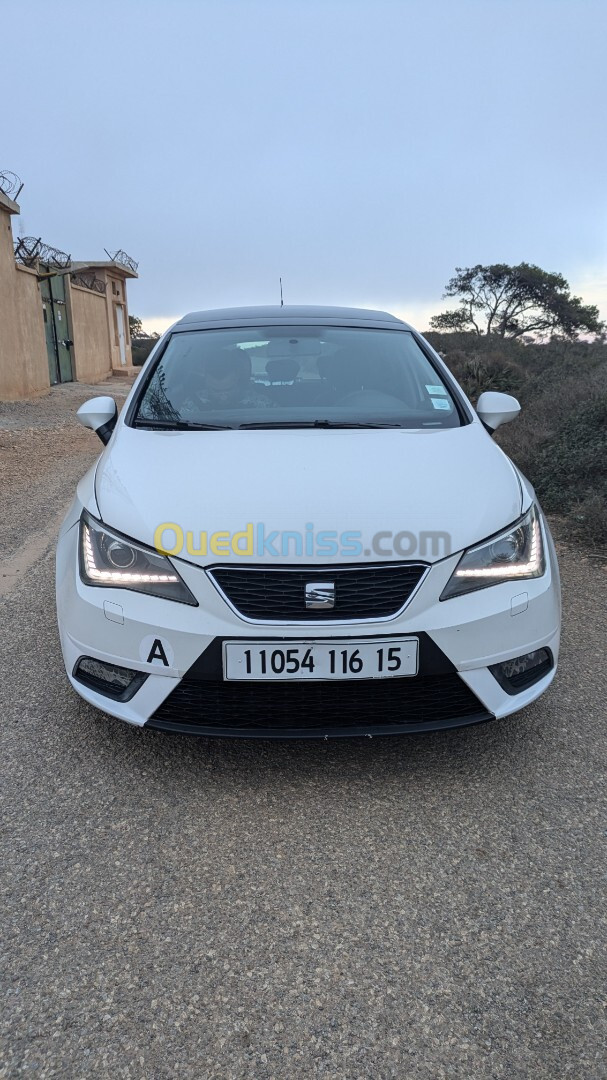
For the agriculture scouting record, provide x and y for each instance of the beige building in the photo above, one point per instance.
(59, 320)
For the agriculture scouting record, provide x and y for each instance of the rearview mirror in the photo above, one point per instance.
(495, 409)
(100, 415)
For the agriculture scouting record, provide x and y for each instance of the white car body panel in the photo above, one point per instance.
(219, 481)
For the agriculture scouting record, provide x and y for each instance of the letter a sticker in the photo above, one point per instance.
(156, 651)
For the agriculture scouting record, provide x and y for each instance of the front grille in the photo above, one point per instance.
(278, 594)
(295, 708)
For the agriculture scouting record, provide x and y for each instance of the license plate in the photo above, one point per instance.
(306, 660)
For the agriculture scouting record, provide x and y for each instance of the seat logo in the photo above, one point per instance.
(320, 594)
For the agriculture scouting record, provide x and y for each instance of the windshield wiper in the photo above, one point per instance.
(179, 425)
(316, 424)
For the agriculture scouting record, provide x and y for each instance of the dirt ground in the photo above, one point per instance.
(41, 444)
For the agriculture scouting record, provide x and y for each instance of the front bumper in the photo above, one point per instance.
(460, 639)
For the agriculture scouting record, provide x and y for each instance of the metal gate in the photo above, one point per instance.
(56, 327)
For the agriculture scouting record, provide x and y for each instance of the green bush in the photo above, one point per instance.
(571, 468)
(141, 348)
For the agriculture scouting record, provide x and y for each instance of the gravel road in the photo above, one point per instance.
(411, 908)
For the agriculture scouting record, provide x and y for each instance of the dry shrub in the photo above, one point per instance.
(560, 439)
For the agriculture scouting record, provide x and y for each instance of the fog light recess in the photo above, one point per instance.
(119, 683)
(523, 671)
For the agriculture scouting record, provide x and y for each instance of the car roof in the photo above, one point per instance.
(271, 315)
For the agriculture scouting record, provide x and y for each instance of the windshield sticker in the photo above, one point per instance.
(436, 390)
(440, 403)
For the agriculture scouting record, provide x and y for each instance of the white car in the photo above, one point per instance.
(300, 527)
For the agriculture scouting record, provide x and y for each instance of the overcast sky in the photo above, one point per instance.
(359, 148)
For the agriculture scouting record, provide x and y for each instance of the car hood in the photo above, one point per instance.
(455, 481)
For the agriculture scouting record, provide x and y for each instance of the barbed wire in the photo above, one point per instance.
(121, 257)
(29, 250)
(10, 184)
(89, 281)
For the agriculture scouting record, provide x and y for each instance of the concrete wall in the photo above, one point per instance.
(116, 295)
(24, 366)
(90, 333)
(23, 356)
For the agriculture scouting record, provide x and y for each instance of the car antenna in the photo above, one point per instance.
(282, 303)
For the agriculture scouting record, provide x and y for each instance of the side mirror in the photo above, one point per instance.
(99, 414)
(495, 409)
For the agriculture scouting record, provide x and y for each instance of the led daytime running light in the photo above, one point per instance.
(95, 574)
(512, 571)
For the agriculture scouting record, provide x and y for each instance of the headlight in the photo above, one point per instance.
(516, 553)
(114, 561)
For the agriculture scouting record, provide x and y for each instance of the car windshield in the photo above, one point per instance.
(295, 376)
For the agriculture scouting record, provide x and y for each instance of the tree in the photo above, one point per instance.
(135, 327)
(510, 301)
